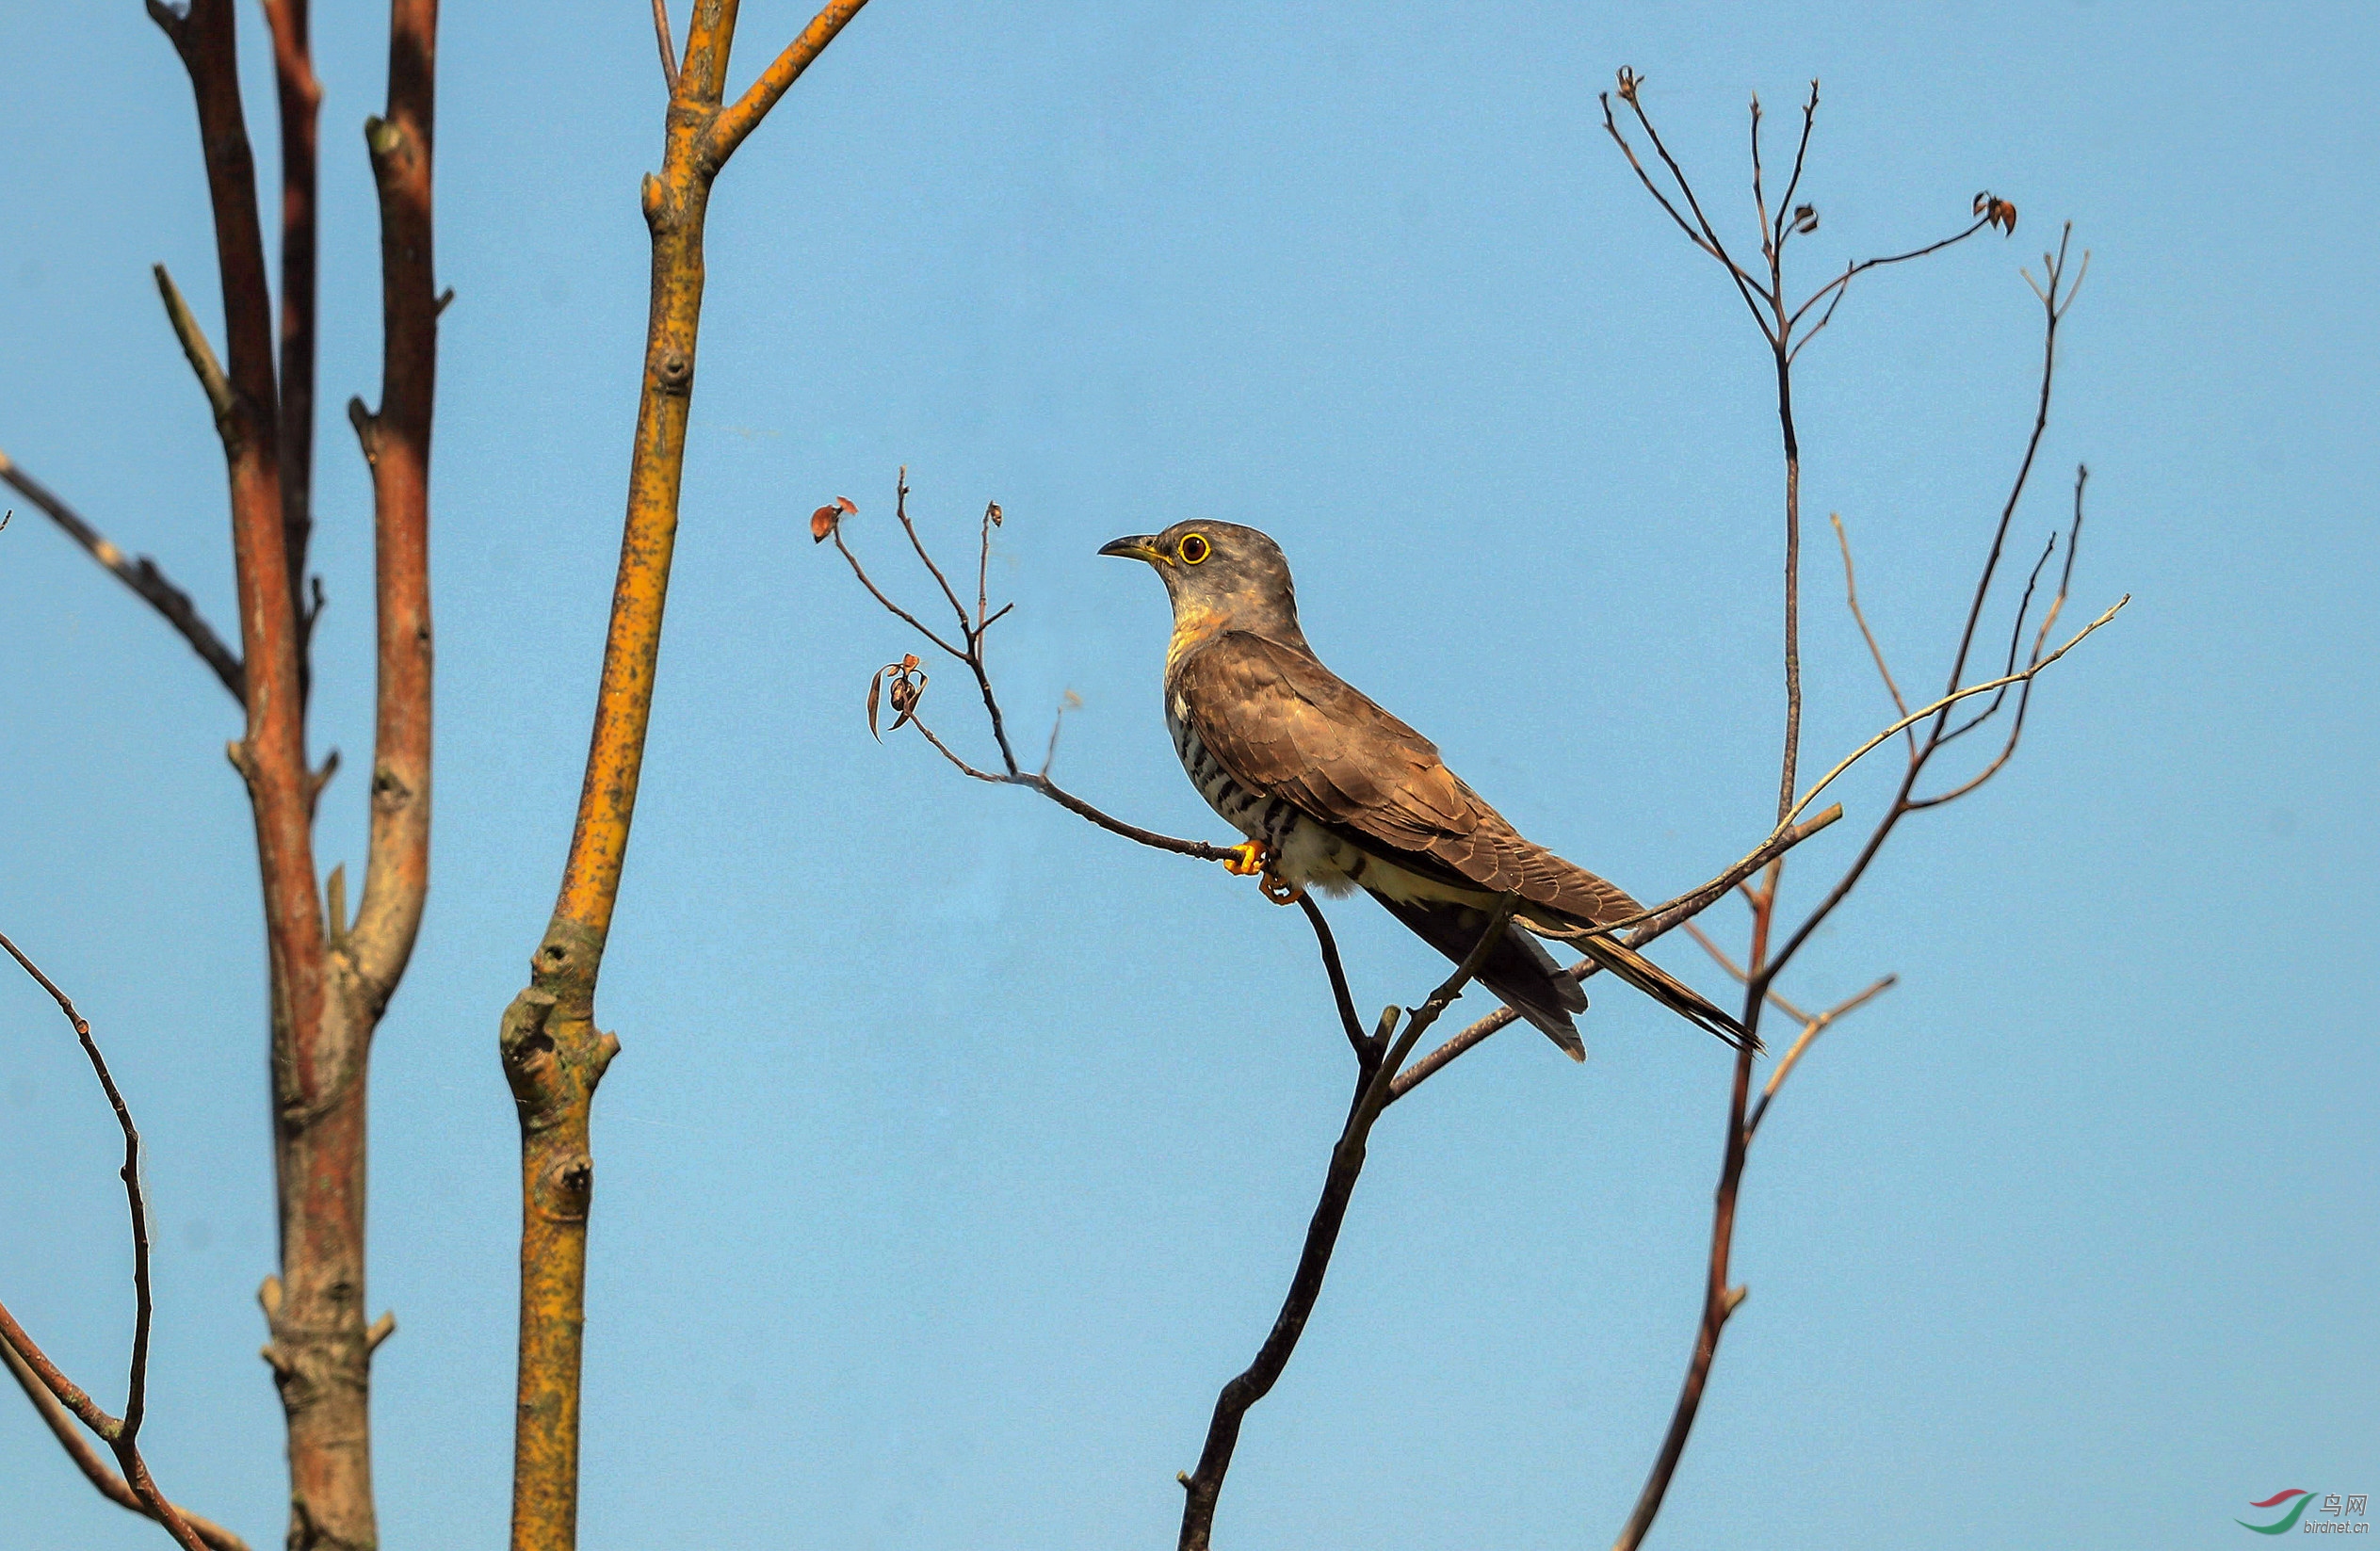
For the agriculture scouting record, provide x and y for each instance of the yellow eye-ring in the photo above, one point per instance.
(1193, 548)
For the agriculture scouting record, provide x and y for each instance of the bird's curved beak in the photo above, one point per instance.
(1138, 546)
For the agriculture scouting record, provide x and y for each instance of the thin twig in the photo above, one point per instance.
(1836, 285)
(1071, 700)
(194, 346)
(1952, 698)
(1811, 1029)
(900, 511)
(1759, 198)
(1337, 971)
(121, 1434)
(2051, 316)
(141, 574)
(1784, 224)
(2015, 639)
(1706, 238)
(1199, 849)
(878, 593)
(1851, 591)
(2024, 696)
(983, 618)
(668, 50)
(1735, 972)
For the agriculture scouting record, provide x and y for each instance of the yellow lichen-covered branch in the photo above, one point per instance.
(552, 1055)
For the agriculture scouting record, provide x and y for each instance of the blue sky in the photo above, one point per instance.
(959, 1151)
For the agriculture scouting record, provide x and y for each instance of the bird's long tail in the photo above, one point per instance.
(1517, 971)
(1663, 987)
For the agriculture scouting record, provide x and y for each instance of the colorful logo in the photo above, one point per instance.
(2287, 1521)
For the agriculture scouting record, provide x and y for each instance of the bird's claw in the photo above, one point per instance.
(1254, 859)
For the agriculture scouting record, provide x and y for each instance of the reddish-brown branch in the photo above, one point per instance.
(140, 573)
(300, 97)
(271, 757)
(78, 1448)
(396, 876)
(327, 996)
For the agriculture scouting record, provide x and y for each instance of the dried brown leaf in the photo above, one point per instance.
(1996, 212)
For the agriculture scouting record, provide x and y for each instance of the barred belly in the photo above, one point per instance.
(1303, 852)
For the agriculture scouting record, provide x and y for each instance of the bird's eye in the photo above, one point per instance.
(1193, 548)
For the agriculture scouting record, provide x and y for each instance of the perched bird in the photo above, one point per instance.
(1333, 793)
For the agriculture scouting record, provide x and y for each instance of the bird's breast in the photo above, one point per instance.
(1256, 814)
(1304, 853)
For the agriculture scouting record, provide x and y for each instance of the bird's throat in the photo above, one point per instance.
(1192, 624)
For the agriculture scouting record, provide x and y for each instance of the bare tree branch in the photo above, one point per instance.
(300, 98)
(1811, 1029)
(1761, 968)
(1378, 1056)
(729, 129)
(122, 1435)
(78, 1448)
(1832, 292)
(140, 573)
(1851, 593)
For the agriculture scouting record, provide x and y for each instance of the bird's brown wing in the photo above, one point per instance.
(1284, 725)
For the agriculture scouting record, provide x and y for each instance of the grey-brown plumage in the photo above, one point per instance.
(1341, 794)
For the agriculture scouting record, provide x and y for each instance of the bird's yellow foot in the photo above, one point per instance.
(1248, 859)
(1254, 859)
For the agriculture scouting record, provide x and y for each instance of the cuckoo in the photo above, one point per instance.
(1333, 793)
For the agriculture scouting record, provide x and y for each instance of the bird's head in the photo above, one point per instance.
(1220, 575)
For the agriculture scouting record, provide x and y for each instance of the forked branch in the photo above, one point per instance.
(121, 1434)
(1926, 730)
(554, 1057)
(1379, 1055)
